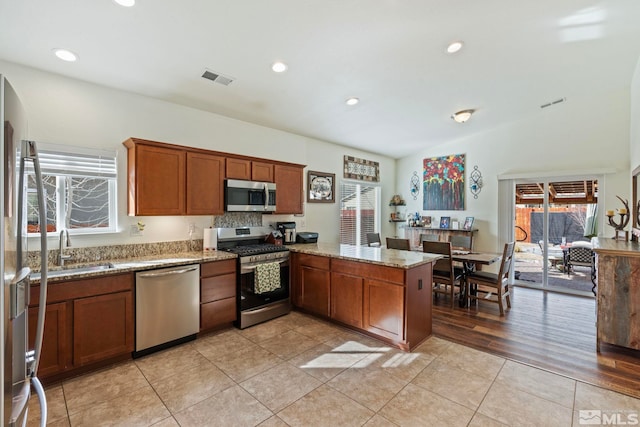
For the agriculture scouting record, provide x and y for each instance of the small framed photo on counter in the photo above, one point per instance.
(444, 221)
(468, 223)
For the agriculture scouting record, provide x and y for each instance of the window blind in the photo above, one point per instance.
(359, 212)
(76, 161)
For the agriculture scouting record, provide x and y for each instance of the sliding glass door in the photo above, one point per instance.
(552, 216)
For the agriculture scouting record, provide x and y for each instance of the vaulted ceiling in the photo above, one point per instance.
(516, 57)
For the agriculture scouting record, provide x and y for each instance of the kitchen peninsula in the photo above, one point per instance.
(385, 293)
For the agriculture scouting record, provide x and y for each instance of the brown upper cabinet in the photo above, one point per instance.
(167, 179)
(205, 184)
(156, 179)
(249, 170)
(289, 192)
(261, 171)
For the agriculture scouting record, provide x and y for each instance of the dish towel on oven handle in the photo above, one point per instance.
(267, 278)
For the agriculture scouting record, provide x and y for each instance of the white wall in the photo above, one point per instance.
(635, 119)
(73, 112)
(583, 134)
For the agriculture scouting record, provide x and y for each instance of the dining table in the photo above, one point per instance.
(472, 261)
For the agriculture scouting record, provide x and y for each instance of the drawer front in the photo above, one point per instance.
(314, 261)
(217, 287)
(84, 287)
(362, 269)
(217, 313)
(216, 268)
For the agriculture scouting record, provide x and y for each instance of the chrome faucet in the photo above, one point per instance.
(64, 233)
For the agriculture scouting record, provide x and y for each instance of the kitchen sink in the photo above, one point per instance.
(64, 271)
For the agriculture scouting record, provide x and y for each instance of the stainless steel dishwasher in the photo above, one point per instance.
(167, 307)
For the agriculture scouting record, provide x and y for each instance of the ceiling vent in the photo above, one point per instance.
(549, 104)
(217, 77)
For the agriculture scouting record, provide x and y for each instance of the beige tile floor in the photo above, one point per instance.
(300, 371)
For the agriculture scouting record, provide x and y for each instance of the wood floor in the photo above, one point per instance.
(547, 330)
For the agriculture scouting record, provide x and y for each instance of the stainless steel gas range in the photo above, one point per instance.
(263, 274)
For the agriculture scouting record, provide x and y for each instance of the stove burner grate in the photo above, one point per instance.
(257, 249)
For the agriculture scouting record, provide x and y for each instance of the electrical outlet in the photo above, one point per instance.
(303, 223)
(192, 227)
(134, 230)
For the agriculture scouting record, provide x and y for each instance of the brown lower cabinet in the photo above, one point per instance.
(217, 294)
(389, 303)
(88, 322)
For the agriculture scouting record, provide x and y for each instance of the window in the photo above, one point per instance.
(80, 189)
(359, 212)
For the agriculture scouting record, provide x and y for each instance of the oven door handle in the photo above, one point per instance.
(252, 267)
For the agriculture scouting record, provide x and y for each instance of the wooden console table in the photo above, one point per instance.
(618, 314)
(413, 234)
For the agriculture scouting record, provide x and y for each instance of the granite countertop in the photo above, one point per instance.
(373, 255)
(116, 266)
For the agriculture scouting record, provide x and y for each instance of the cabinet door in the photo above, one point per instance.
(314, 290)
(217, 287)
(383, 309)
(346, 299)
(205, 184)
(217, 313)
(261, 171)
(102, 327)
(288, 181)
(159, 181)
(238, 169)
(55, 356)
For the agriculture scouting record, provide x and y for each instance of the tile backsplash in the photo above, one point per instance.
(83, 255)
(238, 219)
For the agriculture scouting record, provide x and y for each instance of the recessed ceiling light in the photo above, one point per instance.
(352, 101)
(454, 47)
(462, 116)
(125, 3)
(279, 67)
(65, 55)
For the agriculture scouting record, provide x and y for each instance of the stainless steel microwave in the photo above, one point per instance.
(249, 196)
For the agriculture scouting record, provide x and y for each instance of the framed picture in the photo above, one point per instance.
(468, 223)
(361, 169)
(321, 187)
(444, 221)
(426, 221)
(443, 183)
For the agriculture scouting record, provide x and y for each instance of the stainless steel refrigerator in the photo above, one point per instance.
(19, 361)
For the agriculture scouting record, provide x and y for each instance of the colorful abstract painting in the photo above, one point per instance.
(443, 183)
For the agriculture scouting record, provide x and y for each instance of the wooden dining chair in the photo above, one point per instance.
(492, 287)
(424, 237)
(393, 243)
(444, 276)
(373, 239)
(460, 243)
